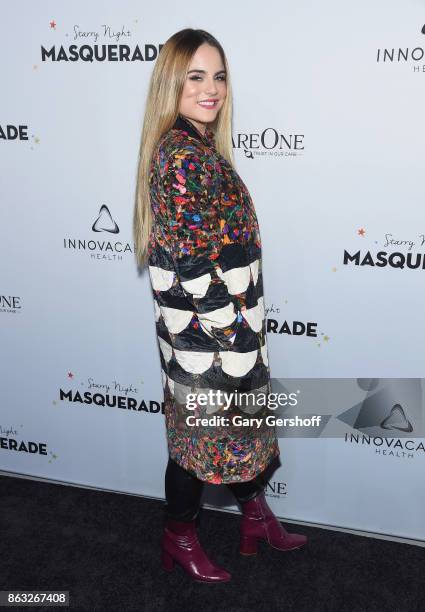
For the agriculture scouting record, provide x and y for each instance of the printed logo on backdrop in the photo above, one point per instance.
(102, 247)
(113, 394)
(385, 416)
(391, 407)
(412, 55)
(10, 304)
(89, 392)
(18, 133)
(100, 43)
(276, 488)
(391, 251)
(277, 325)
(10, 442)
(269, 142)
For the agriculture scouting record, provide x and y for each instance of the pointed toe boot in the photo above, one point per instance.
(180, 544)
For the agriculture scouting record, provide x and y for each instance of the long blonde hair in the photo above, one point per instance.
(161, 111)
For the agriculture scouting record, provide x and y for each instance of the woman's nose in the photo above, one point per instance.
(211, 88)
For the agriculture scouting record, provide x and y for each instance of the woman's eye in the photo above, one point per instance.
(221, 77)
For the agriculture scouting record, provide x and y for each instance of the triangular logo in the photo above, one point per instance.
(105, 222)
(397, 420)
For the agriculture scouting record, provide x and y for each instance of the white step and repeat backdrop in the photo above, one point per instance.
(329, 137)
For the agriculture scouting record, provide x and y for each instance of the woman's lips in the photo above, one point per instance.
(208, 104)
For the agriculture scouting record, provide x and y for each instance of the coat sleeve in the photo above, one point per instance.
(191, 223)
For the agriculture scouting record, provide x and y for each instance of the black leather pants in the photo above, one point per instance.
(183, 492)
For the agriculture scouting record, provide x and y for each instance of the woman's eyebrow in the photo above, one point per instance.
(204, 71)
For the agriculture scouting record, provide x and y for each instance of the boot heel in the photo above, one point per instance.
(167, 561)
(248, 545)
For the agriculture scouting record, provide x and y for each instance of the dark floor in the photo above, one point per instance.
(103, 548)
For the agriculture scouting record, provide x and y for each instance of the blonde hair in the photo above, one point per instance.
(161, 111)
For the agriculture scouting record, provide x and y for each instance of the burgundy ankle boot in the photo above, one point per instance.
(180, 543)
(259, 522)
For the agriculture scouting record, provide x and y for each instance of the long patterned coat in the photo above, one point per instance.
(206, 275)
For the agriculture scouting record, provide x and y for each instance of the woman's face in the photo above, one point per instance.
(205, 87)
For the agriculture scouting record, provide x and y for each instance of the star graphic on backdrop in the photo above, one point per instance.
(361, 232)
(34, 66)
(53, 24)
(326, 338)
(334, 269)
(70, 375)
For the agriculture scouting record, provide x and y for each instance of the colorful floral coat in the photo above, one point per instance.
(206, 275)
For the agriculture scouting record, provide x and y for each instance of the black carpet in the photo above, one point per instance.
(104, 549)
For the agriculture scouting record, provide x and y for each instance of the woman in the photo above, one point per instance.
(196, 227)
